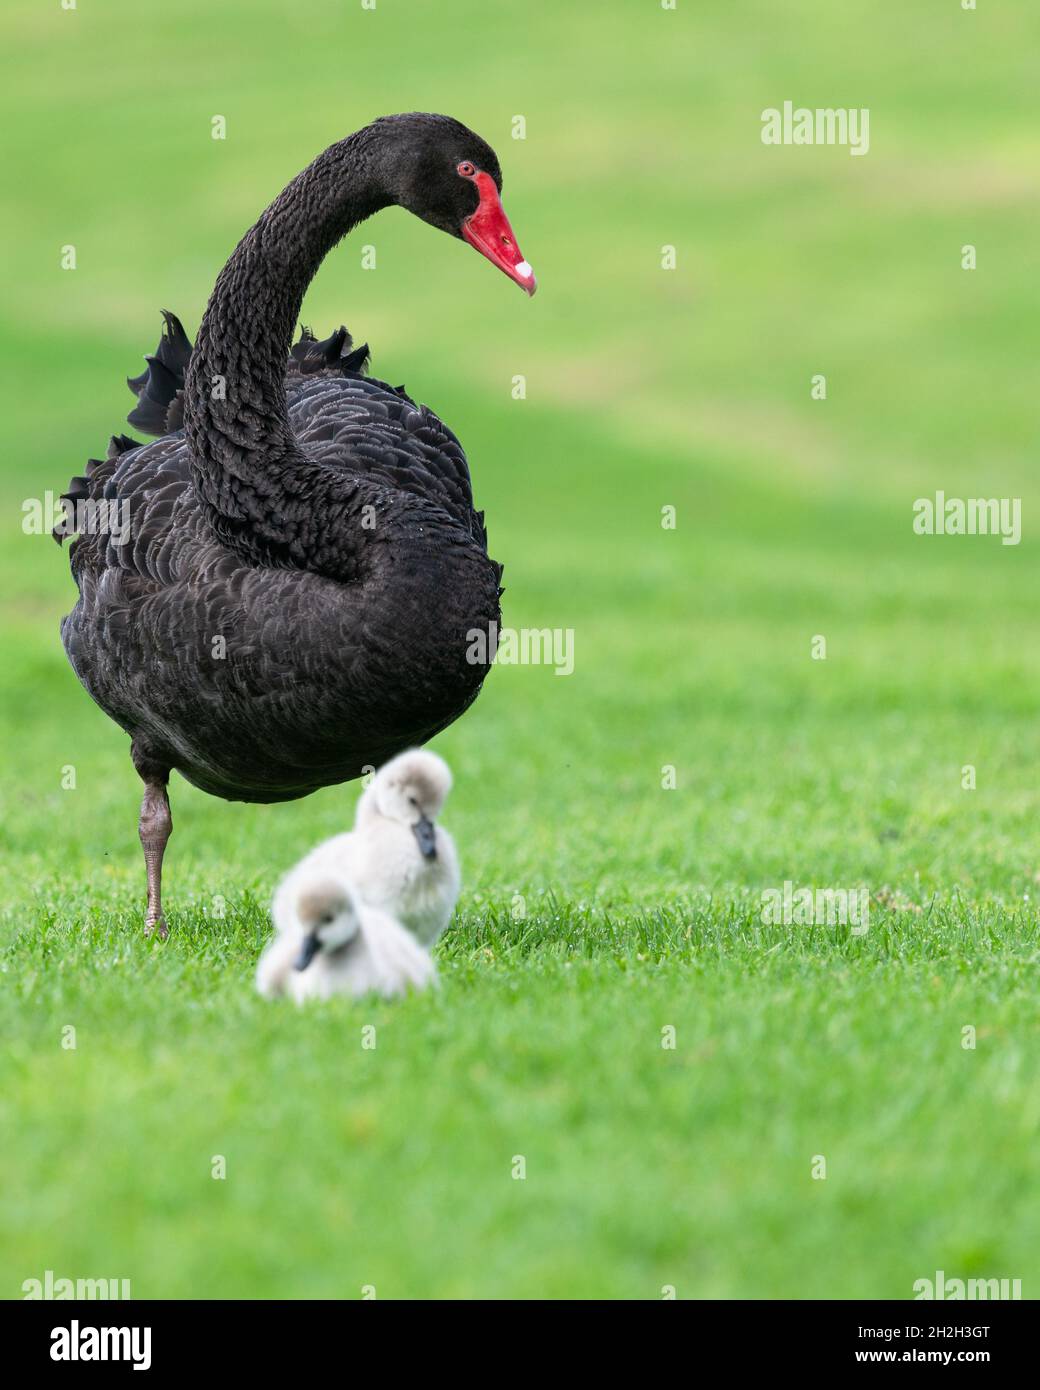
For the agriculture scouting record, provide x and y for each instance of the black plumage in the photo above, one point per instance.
(287, 582)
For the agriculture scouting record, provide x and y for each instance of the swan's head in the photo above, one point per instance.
(411, 789)
(329, 919)
(444, 173)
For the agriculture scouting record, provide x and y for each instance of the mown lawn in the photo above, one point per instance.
(600, 909)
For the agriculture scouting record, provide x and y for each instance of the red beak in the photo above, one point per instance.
(488, 231)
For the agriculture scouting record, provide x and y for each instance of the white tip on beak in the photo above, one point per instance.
(525, 276)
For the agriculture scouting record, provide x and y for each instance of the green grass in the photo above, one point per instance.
(598, 908)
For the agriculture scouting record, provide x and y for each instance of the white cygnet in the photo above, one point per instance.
(329, 942)
(397, 857)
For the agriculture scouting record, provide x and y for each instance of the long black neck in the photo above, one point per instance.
(246, 465)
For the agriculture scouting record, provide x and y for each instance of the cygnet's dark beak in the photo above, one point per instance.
(425, 832)
(310, 948)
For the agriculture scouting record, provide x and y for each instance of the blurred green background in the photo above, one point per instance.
(598, 908)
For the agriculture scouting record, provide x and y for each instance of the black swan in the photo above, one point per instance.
(276, 594)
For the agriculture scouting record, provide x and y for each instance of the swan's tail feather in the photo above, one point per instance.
(153, 398)
(174, 348)
(91, 483)
(314, 355)
(158, 389)
(78, 490)
(356, 361)
(333, 352)
(119, 444)
(301, 347)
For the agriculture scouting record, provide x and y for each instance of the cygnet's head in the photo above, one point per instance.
(411, 789)
(329, 918)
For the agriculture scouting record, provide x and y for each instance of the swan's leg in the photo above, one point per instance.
(154, 828)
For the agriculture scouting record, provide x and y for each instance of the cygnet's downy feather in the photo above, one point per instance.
(397, 857)
(329, 942)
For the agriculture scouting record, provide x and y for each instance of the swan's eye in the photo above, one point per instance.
(466, 169)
